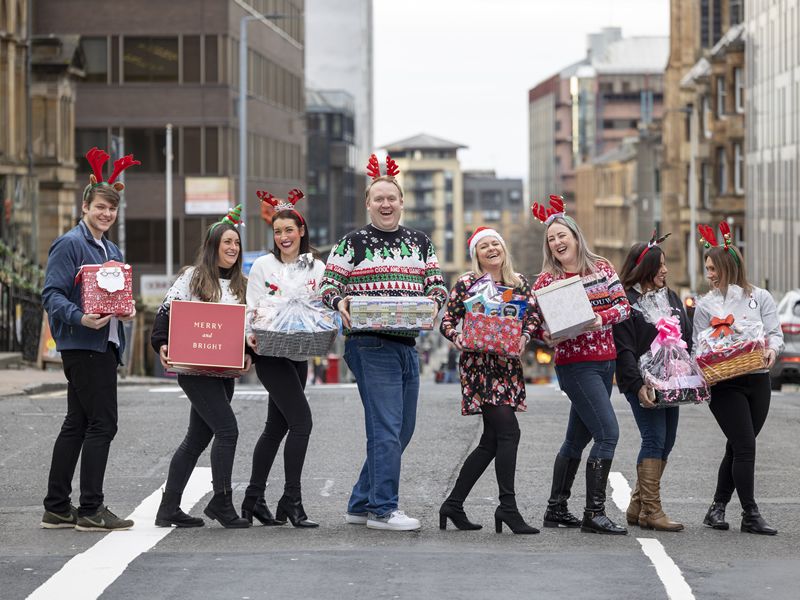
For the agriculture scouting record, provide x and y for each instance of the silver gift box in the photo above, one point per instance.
(394, 313)
(565, 307)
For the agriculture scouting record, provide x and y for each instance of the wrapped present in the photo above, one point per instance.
(106, 289)
(394, 313)
(729, 347)
(491, 334)
(667, 367)
(206, 338)
(565, 307)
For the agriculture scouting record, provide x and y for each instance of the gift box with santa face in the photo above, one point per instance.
(106, 289)
(491, 334)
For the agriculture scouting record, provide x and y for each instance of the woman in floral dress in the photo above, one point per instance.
(492, 386)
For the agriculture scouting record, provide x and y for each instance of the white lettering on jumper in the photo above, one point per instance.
(207, 325)
(203, 346)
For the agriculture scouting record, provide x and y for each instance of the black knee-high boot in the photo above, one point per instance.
(557, 513)
(453, 507)
(594, 516)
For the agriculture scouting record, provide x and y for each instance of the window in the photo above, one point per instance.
(212, 59)
(191, 59)
(192, 151)
(738, 89)
(722, 172)
(736, 11)
(212, 151)
(89, 138)
(96, 51)
(705, 117)
(720, 97)
(738, 168)
(149, 146)
(705, 185)
(150, 59)
(705, 30)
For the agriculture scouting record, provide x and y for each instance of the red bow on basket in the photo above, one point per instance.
(722, 327)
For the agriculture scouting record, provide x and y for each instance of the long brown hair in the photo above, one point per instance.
(205, 280)
(587, 260)
(730, 270)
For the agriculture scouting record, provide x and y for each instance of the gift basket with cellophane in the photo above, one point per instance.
(729, 347)
(290, 320)
(667, 367)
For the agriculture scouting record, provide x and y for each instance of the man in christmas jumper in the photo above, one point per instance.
(91, 346)
(383, 259)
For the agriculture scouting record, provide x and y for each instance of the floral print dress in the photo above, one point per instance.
(486, 378)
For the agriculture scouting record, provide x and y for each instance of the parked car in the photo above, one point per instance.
(787, 366)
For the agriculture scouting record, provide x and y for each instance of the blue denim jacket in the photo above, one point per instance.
(62, 296)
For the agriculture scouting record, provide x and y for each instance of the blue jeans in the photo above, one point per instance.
(588, 386)
(657, 426)
(387, 374)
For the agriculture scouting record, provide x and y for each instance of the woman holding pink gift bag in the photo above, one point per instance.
(739, 404)
(492, 386)
(585, 370)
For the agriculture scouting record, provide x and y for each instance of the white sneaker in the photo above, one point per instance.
(395, 521)
(356, 518)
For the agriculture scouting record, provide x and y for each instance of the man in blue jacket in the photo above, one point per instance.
(91, 346)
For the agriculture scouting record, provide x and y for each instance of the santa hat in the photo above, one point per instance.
(480, 233)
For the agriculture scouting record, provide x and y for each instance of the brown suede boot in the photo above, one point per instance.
(635, 506)
(652, 515)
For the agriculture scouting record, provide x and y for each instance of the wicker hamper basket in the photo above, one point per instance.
(295, 345)
(740, 364)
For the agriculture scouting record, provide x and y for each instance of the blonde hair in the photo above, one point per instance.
(587, 260)
(730, 270)
(388, 178)
(510, 276)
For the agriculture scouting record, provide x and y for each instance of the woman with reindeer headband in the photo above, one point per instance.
(216, 276)
(91, 346)
(288, 412)
(740, 405)
(645, 270)
(383, 259)
(585, 371)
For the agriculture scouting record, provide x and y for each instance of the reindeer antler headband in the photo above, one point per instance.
(97, 158)
(279, 204)
(547, 215)
(374, 167)
(708, 238)
(654, 241)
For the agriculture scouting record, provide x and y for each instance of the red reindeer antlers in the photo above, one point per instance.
(295, 195)
(544, 214)
(97, 158)
(120, 165)
(707, 236)
(374, 167)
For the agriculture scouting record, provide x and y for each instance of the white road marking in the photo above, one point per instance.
(165, 389)
(620, 490)
(98, 567)
(668, 571)
(326, 489)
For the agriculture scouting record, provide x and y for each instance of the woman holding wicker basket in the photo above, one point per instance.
(737, 337)
(288, 270)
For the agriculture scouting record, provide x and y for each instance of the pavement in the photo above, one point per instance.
(25, 379)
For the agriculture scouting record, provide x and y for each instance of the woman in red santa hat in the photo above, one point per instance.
(492, 386)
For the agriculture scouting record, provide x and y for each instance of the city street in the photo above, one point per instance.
(348, 561)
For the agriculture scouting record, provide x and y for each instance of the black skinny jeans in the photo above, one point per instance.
(287, 412)
(740, 406)
(499, 441)
(87, 431)
(211, 416)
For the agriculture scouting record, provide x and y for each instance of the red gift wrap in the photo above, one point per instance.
(106, 289)
(491, 334)
(206, 338)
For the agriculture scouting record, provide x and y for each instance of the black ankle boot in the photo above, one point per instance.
(220, 509)
(170, 513)
(715, 517)
(753, 522)
(455, 512)
(595, 519)
(257, 507)
(513, 520)
(557, 514)
(292, 508)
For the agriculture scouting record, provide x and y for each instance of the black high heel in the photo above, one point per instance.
(292, 508)
(513, 520)
(457, 515)
(257, 507)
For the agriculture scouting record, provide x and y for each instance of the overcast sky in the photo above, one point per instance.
(461, 69)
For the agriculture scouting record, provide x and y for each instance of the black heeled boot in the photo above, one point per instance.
(595, 519)
(513, 520)
(557, 514)
(220, 509)
(715, 517)
(292, 508)
(753, 522)
(455, 512)
(257, 507)
(170, 513)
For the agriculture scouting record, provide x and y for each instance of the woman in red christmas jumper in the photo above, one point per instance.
(491, 386)
(585, 370)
